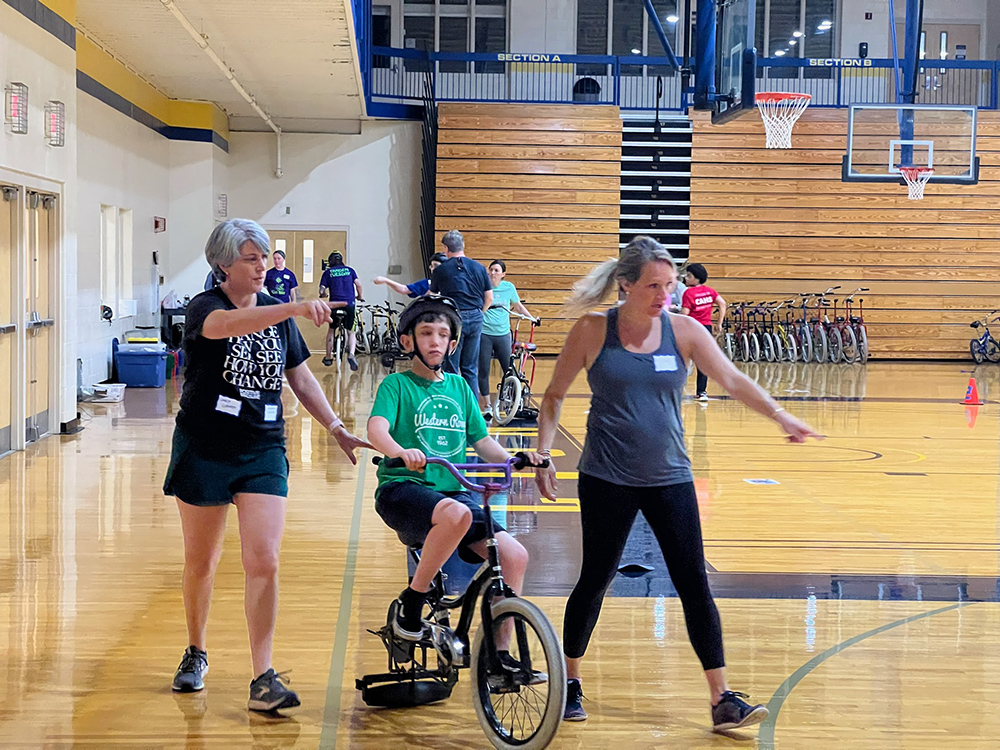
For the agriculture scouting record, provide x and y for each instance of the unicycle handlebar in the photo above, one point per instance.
(517, 462)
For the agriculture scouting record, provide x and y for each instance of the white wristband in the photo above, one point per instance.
(338, 422)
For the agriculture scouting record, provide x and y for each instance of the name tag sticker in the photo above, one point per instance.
(270, 412)
(664, 362)
(228, 406)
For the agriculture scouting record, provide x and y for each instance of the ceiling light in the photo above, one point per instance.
(797, 34)
(636, 51)
(780, 53)
(672, 19)
(792, 42)
(826, 24)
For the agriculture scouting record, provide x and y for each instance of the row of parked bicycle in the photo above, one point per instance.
(377, 336)
(809, 329)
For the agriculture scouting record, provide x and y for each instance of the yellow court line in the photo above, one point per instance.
(542, 508)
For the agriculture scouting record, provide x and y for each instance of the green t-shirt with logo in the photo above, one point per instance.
(439, 417)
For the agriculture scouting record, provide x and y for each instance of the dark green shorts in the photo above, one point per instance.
(199, 479)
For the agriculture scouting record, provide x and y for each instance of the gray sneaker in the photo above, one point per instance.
(574, 695)
(269, 692)
(732, 712)
(190, 675)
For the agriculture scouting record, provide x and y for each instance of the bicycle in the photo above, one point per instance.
(803, 332)
(529, 724)
(857, 323)
(514, 389)
(363, 345)
(784, 333)
(985, 346)
(388, 349)
(820, 325)
(747, 344)
(338, 317)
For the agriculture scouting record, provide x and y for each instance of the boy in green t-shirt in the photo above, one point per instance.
(428, 412)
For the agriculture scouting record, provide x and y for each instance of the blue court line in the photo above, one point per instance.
(765, 737)
(334, 684)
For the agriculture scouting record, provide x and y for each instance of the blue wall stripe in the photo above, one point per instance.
(117, 102)
(46, 18)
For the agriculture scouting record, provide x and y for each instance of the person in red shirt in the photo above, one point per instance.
(698, 302)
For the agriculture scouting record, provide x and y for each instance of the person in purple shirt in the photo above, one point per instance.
(340, 283)
(279, 281)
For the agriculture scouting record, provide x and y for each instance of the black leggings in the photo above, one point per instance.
(489, 347)
(702, 382)
(607, 512)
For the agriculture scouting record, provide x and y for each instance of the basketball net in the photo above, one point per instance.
(780, 111)
(916, 179)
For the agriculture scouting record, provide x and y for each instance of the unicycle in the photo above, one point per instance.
(519, 702)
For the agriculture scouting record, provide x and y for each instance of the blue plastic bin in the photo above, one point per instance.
(142, 365)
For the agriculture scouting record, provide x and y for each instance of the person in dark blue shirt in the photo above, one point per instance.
(417, 288)
(280, 282)
(467, 283)
(340, 283)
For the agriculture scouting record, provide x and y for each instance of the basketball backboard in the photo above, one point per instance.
(883, 138)
(736, 59)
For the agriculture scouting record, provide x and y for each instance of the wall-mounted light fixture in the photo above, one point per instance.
(16, 109)
(55, 123)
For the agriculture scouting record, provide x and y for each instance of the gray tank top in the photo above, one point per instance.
(634, 432)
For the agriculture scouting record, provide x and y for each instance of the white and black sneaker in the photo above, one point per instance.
(190, 675)
(732, 712)
(408, 624)
(269, 692)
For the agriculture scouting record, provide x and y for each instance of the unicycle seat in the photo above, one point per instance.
(525, 346)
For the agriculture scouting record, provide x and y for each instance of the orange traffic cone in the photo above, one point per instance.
(972, 394)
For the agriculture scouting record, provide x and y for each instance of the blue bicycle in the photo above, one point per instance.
(985, 346)
(518, 707)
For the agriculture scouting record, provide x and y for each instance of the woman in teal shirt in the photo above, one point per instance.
(496, 340)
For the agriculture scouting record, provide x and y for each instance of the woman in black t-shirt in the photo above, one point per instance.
(229, 444)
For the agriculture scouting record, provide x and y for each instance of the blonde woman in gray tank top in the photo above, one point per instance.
(634, 459)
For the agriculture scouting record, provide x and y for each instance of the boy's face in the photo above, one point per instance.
(433, 338)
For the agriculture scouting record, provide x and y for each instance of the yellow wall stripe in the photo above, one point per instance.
(106, 70)
(64, 8)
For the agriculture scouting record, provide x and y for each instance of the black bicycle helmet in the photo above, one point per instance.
(431, 303)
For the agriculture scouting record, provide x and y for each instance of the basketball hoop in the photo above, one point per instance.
(916, 179)
(780, 111)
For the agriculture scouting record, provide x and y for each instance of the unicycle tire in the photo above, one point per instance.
(532, 725)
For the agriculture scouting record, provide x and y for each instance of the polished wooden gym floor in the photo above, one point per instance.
(857, 587)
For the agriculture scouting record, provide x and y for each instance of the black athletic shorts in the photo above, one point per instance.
(198, 478)
(407, 509)
(349, 315)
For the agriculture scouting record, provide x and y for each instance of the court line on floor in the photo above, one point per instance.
(334, 683)
(765, 737)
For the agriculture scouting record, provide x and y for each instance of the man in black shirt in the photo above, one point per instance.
(467, 282)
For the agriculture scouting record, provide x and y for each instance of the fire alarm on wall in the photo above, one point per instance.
(869, 16)
(159, 224)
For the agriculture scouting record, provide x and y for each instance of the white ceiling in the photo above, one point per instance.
(296, 57)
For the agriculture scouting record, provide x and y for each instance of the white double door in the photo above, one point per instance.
(27, 320)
